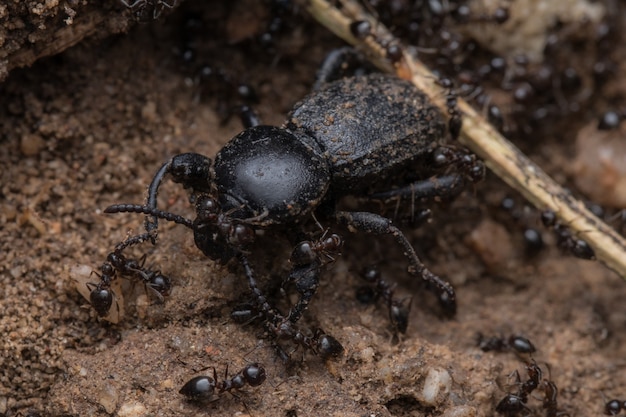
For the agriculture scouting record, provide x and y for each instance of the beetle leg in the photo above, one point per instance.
(267, 310)
(447, 186)
(281, 327)
(378, 225)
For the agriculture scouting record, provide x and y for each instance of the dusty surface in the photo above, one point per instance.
(88, 128)
(30, 30)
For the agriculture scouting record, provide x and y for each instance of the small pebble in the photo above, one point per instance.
(108, 398)
(460, 411)
(132, 409)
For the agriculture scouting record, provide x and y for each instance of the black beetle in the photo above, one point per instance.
(372, 136)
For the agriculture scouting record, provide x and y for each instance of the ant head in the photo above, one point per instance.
(333, 243)
(207, 209)
(329, 347)
(160, 283)
(254, 374)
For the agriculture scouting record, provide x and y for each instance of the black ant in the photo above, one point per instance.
(467, 164)
(550, 404)
(282, 14)
(324, 249)
(205, 388)
(456, 116)
(533, 239)
(398, 310)
(565, 240)
(614, 407)
(513, 404)
(517, 343)
(232, 95)
(361, 29)
(308, 257)
(101, 295)
(463, 14)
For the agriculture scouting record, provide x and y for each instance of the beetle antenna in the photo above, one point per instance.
(137, 208)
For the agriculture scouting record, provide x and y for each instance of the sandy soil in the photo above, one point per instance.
(89, 127)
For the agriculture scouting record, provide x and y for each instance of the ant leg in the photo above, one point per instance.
(378, 225)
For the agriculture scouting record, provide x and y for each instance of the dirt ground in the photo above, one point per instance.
(88, 128)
